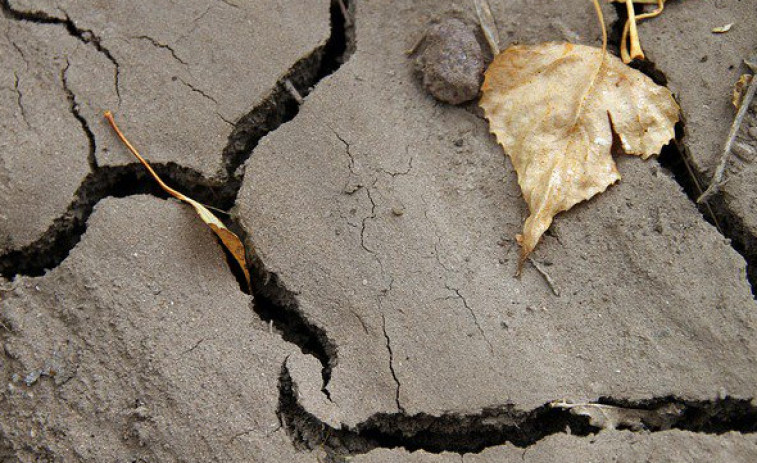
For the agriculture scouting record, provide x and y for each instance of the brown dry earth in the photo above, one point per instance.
(385, 323)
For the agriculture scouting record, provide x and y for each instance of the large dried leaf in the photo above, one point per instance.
(229, 239)
(554, 108)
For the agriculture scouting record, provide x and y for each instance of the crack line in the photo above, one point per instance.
(19, 98)
(473, 315)
(391, 365)
(161, 45)
(85, 36)
(74, 109)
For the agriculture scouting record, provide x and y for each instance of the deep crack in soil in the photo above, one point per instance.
(471, 433)
(275, 304)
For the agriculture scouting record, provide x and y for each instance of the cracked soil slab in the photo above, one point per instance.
(139, 347)
(701, 68)
(43, 149)
(398, 241)
(177, 78)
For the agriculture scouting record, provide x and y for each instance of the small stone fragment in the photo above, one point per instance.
(451, 62)
(32, 378)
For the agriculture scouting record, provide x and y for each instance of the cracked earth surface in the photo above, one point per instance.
(384, 323)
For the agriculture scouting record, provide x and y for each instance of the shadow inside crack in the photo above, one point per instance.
(59, 239)
(278, 306)
(281, 105)
(471, 433)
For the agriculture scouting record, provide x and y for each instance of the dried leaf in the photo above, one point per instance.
(612, 417)
(739, 90)
(554, 111)
(230, 240)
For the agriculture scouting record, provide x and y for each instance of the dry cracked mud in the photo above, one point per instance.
(384, 323)
(701, 68)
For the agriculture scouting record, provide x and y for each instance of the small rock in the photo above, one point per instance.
(451, 62)
(32, 378)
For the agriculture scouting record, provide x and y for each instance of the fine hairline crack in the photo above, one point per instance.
(391, 365)
(85, 36)
(74, 109)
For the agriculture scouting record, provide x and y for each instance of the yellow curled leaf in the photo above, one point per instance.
(229, 239)
(554, 111)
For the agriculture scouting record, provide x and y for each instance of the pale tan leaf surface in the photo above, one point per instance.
(229, 239)
(553, 110)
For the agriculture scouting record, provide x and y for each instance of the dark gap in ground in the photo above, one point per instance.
(675, 159)
(281, 106)
(447, 433)
(120, 181)
(705, 416)
(273, 303)
(472, 433)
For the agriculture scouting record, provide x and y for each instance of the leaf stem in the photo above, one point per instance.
(168, 189)
(630, 26)
(593, 80)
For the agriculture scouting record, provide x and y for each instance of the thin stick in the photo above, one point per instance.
(717, 179)
(293, 91)
(168, 189)
(547, 278)
(486, 21)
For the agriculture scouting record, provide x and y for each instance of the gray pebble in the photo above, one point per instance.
(451, 62)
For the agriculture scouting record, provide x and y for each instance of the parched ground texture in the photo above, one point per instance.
(384, 322)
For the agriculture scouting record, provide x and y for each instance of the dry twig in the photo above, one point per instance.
(717, 178)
